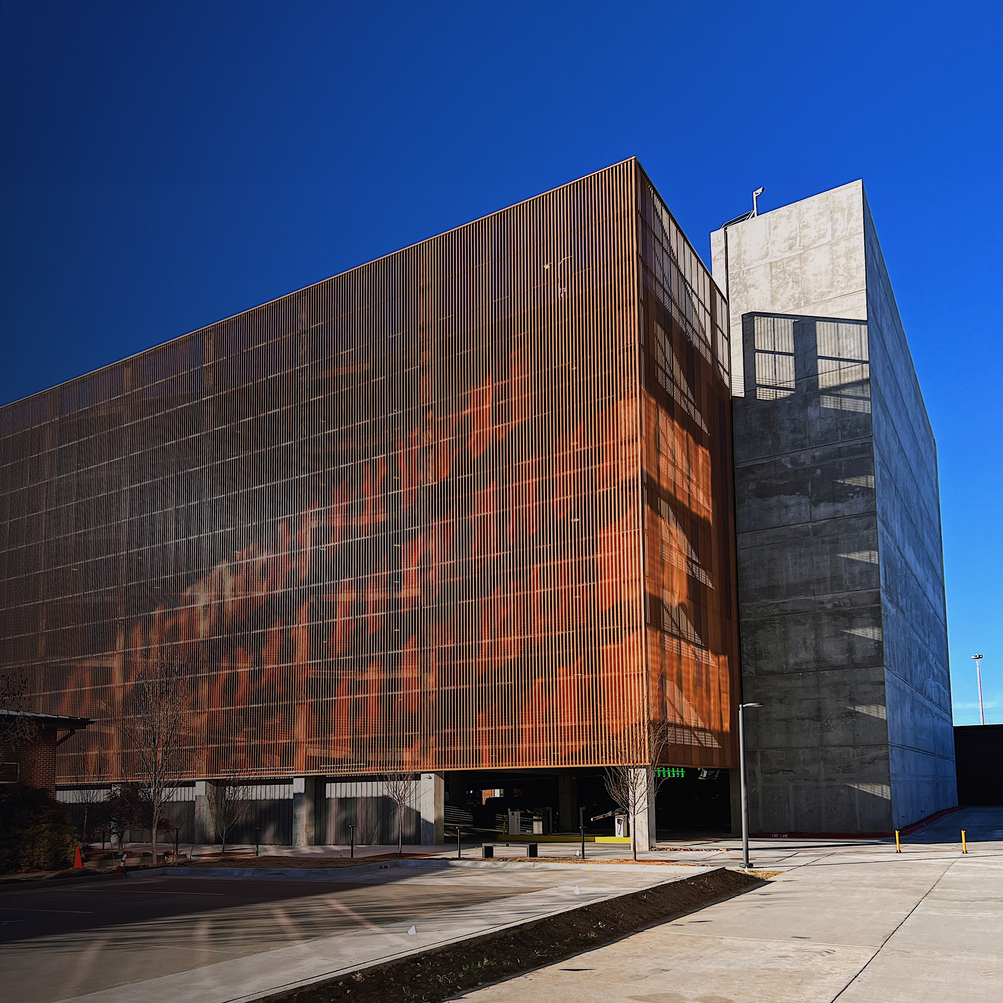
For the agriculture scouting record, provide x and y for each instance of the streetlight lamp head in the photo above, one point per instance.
(976, 656)
(751, 705)
(759, 191)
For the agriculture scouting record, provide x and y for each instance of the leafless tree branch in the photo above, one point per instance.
(229, 802)
(16, 728)
(633, 782)
(400, 788)
(159, 709)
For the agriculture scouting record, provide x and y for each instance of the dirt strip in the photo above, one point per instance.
(439, 973)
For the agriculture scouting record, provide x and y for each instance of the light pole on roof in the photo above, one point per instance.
(978, 675)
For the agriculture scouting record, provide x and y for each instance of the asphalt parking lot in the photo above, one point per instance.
(230, 913)
(217, 939)
(63, 942)
(847, 920)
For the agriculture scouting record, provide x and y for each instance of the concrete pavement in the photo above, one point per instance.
(850, 921)
(222, 939)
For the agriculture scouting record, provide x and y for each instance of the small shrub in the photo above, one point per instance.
(46, 847)
(35, 832)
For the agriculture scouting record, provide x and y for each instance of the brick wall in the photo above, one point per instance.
(37, 759)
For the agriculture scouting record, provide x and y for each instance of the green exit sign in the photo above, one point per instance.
(670, 772)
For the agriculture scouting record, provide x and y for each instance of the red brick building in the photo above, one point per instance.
(31, 759)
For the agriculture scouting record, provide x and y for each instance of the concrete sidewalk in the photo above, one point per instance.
(689, 848)
(848, 920)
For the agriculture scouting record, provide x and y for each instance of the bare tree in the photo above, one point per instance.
(229, 801)
(159, 707)
(17, 726)
(120, 812)
(95, 794)
(633, 782)
(400, 788)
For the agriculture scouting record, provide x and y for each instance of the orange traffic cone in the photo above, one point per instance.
(77, 859)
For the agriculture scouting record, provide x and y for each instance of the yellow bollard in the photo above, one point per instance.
(964, 842)
(898, 842)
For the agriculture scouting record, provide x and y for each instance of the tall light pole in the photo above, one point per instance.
(741, 775)
(978, 675)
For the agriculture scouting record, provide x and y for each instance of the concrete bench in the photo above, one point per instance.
(488, 849)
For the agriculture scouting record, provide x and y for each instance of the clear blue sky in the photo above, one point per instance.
(166, 165)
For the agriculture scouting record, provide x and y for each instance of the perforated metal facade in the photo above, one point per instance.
(466, 506)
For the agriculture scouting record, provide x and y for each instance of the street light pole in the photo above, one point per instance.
(978, 675)
(742, 783)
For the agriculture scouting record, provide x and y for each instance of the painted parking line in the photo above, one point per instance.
(75, 912)
(157, 891)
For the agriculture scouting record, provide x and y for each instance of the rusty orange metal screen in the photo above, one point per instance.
(395, 519)
(691, 620)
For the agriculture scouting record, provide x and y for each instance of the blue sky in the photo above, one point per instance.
(167, 165)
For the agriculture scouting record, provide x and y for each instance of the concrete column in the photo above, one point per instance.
(203, 820)
(320, 811)
(644, 821)
(432, 801)
(567, 803)
(304, 810)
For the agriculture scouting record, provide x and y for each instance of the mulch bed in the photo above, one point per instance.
(440, 973)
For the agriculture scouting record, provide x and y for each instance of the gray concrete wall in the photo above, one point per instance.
(917, 682)
(805, 258)
(809, 581)
(840, 560)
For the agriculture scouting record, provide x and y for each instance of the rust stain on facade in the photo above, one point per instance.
(466, 506)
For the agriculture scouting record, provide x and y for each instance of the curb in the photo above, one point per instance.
(544, 864)
(430, 863)
(272, 873)
(923, 822)
(307, 990)
(68, 879)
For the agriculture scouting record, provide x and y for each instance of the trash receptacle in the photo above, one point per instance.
(487, 850)
(533, 849)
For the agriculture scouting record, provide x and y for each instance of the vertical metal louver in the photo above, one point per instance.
(460, 507)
